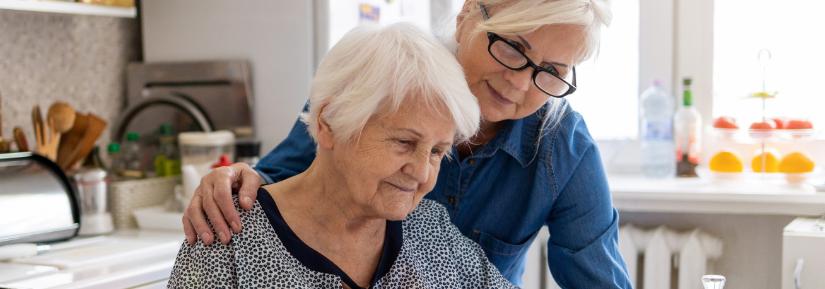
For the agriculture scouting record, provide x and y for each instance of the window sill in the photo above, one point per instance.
(632, 193)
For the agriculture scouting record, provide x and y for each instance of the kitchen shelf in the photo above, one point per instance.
(68, 8)
(703, 196)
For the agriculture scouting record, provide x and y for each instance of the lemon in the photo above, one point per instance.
(795, 163)
(770, 161)
(726, 162)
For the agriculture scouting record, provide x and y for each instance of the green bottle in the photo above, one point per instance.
(688, 134)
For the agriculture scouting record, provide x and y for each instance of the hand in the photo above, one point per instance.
(214, 197)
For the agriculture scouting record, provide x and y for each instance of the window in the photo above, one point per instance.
(608, 84)
(790, 30)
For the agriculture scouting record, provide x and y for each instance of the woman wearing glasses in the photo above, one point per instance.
(532, 164)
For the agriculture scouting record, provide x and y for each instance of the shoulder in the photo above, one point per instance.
(429, 221)
(568, 142)
(570, 135)
(427, 212)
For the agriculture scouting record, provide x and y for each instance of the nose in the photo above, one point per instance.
(519, 79)
(418, 168)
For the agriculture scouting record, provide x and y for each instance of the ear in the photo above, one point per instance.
(459, 20)
(324, 135)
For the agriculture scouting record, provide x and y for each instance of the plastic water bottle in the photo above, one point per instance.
(656, 132)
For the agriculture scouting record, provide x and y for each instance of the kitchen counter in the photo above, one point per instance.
(125, 259)
(700, 195)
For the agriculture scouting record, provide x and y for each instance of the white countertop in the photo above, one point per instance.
(702, 195)
(124, 259)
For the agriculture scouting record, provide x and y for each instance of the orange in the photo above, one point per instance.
(726, 162)
(769, 159)
(795, 163)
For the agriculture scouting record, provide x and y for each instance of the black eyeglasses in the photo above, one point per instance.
(547, 79)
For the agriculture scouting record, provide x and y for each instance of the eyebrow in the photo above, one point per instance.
(416, 133)
(524, 41)
(527, 44)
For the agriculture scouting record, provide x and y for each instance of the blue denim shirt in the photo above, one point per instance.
(503, 193)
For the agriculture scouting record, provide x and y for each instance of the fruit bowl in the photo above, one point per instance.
(799, 133)
(761, 134)
(797, 178)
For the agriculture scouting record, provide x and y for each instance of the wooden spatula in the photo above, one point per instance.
(71, 139)
(93, 131)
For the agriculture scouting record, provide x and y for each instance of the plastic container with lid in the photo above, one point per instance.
(198, 151)
(92, 190)
(205, 148)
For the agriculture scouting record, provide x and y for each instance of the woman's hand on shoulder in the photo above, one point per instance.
(213, 200)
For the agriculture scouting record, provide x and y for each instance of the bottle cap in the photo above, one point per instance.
(166, 129)
(222, 162)
(132, 136)
(113, 148)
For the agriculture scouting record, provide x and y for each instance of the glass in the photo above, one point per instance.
(713, 281)
(547, 79)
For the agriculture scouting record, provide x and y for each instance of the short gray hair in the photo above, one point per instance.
(374, 69)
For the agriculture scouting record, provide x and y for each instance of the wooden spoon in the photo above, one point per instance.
(1, 117)
(4, 145)
(39, 133)
(20, 139)
(61, 119)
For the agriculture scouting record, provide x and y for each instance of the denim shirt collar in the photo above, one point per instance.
(518, 138)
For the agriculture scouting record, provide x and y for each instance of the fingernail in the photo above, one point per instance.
(206, 238)
(247, 200)
(236, 226)
(222, 237)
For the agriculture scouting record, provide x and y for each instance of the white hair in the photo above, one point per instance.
(373, 69)
(525, 16)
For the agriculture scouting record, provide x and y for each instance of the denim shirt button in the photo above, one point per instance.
(471, 161)
(451, 200)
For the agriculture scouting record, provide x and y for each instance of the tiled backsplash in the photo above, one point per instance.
(79, 59)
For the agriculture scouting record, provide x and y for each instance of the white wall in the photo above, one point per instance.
(275, 36)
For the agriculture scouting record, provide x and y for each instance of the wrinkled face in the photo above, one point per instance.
(396, 160)
(507, 94)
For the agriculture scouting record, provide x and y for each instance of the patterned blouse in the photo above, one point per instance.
(433, 254)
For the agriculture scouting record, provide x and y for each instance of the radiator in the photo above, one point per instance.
(662, 258)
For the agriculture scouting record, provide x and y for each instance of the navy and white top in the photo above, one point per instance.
(424, 251)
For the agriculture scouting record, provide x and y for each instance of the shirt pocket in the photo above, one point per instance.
(504, 255)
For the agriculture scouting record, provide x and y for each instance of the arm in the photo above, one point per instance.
(199, 266)
(290, 157)
(213, 197)
(583, 249)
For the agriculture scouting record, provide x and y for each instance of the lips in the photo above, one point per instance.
(406, 189)
(497, 96)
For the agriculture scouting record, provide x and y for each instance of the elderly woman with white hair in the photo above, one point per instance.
(387, 104)
(533, 163)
